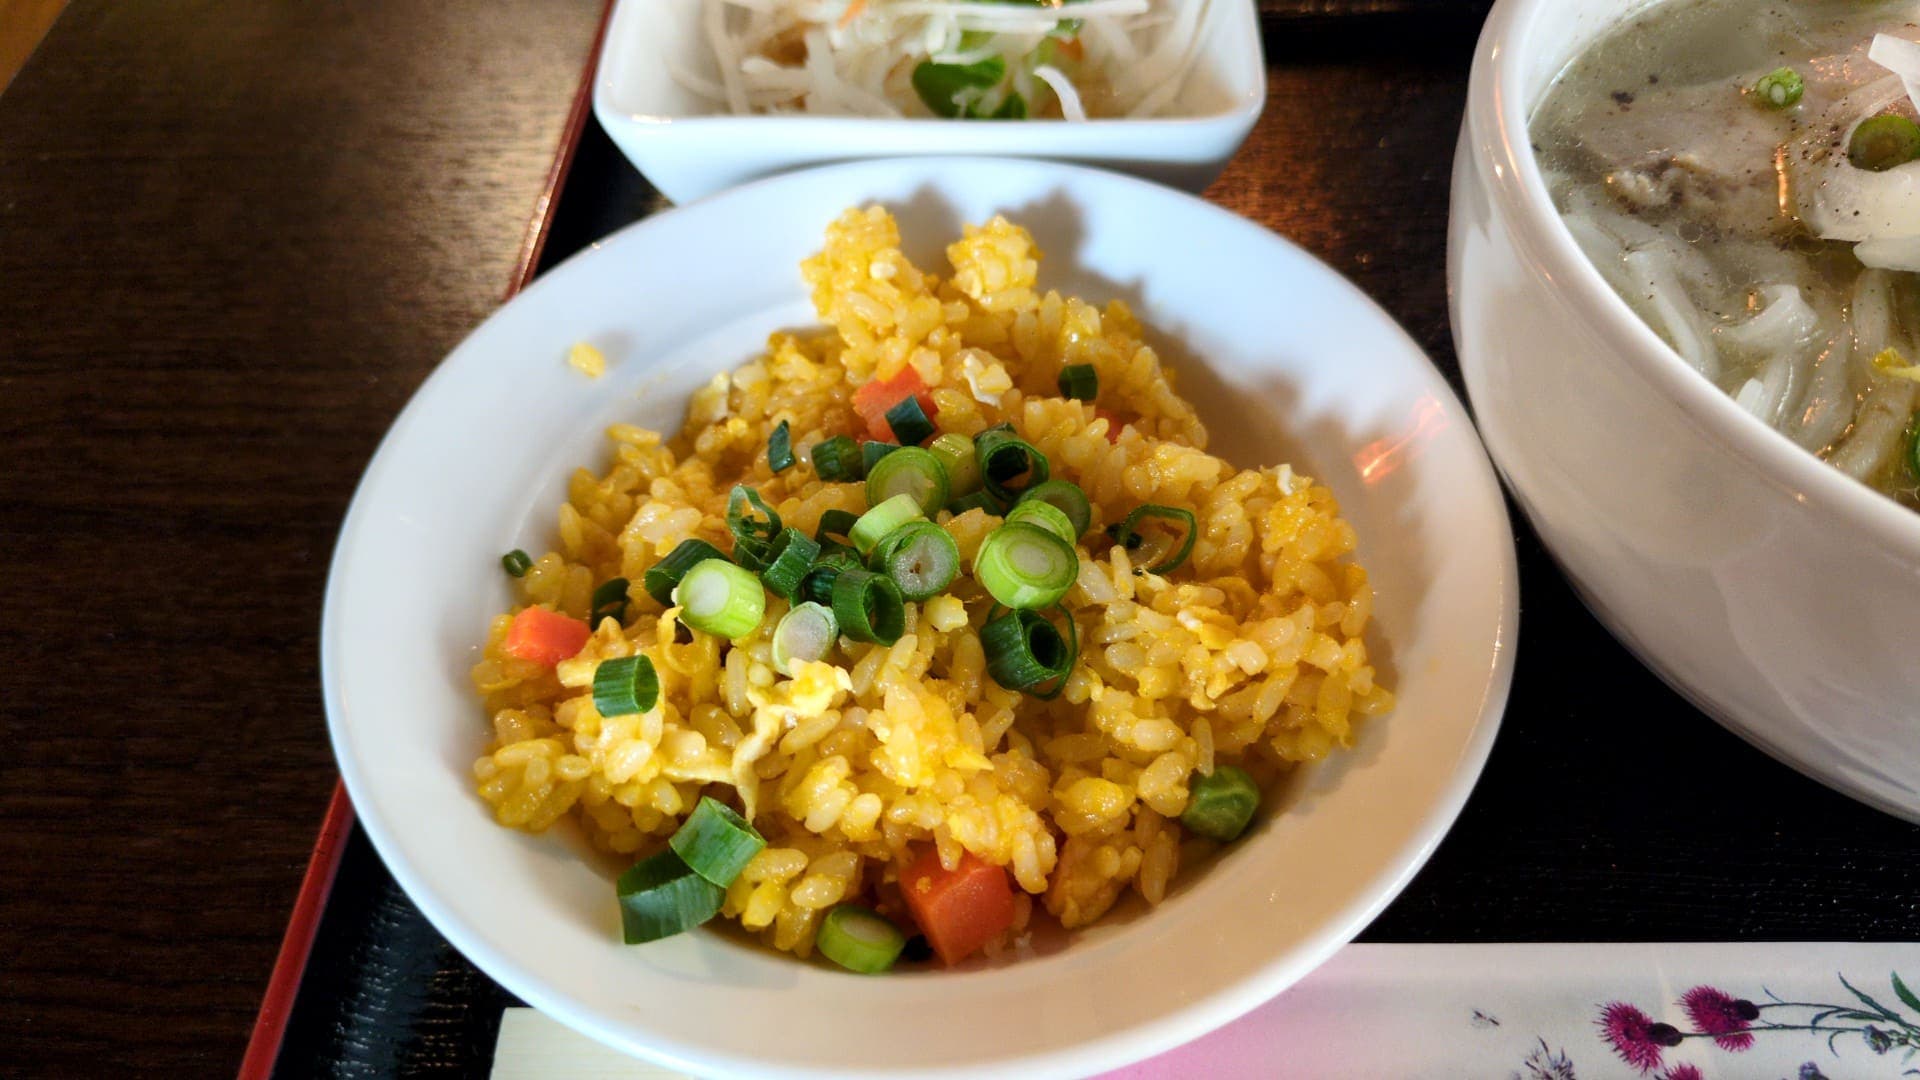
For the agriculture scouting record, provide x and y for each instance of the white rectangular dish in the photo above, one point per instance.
(688, 146)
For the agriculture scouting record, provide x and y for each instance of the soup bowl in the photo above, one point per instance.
(1774, 592)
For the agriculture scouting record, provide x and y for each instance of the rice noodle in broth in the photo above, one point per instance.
(1741, 227)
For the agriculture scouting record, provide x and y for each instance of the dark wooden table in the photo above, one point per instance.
(234, 237)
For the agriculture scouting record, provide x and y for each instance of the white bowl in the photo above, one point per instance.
(1777, 594)
(1287, 362)
(688, 146)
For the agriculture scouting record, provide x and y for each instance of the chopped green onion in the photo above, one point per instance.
(836, 523)
(662, 576)
(909, 422)
(1013, 108)
(715, 842)
(859, 940)
(1130, 532)
(1006, 457)
(806, 633)
(869, 607)
(951, 90)
(979, 500)
(875, 524)
(661, 896)
(1884, 142)
(1025, 651)
(720, 598)
(837, 458)
(1044, 514)
(516, 562)
(1222, 803)
(872, 452)
(817, 586)
(956, 452)
(780, 448)
(755, 535)
(1025, 566)
(1067, 496)
(788, 561)
(921, 557)
(909, 471)
(1079, 382)
(1780, 88)
(609, 602)
(625, 685)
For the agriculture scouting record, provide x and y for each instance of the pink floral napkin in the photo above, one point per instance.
(1775, 1011)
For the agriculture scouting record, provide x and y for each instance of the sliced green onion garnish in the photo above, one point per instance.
(909, 471)
(740, 508)
(1044, 514)
(869, 607)
(609, 602)
(625, 685)
(662, 576)
(1129, 533)
(837, 458)
(1779, 88)
(1005, 458)
(788, 560)
(921, 557)
(818, 584)
(517, 562)
(715, 842)
(872, 452)
(805, 634)
(1079, 382)
(956, 452)
(859, 940)
(1884, 142)
(1025, 651)
(979, 500)
(886, 516)
(1066, 495)
(836, 523)
(720, 598)
(909, 422)
(661, 896)
(780, 448)
(1025, 566)
(1222, 803)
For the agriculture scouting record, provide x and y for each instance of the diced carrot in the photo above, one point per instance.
(1114, 423)
(961, 909)
(874, 399)
(852, 13)
(545, 637)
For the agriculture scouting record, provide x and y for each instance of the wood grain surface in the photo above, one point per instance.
(235, 236)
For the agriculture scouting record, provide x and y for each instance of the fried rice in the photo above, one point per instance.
(1252, 653)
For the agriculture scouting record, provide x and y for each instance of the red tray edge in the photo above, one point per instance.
(276, 1005)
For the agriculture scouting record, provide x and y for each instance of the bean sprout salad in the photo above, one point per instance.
(961, 59)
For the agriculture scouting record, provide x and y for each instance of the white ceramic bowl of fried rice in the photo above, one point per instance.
(1285, 363)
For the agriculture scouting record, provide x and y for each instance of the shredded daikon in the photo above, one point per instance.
(1071, 59)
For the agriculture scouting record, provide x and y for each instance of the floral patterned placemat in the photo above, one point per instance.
(1778, 1011)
